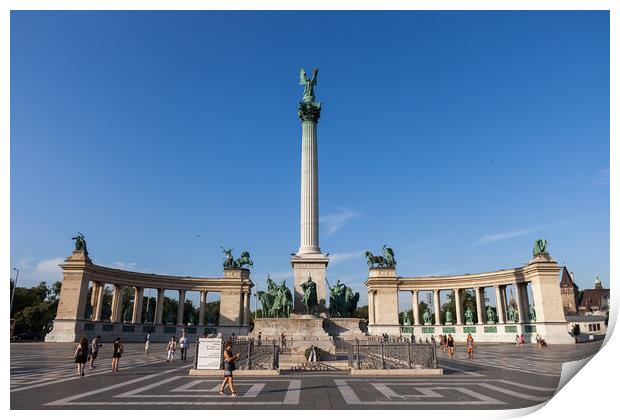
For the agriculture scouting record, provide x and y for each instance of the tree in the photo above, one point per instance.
(362, 312)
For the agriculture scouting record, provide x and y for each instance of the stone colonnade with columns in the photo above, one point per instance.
(541, 274)
(235, 289)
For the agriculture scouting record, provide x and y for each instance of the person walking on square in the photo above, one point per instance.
(183, 344)
(450, 343)
(470, 346)
(147, 343)
(171, 348)
(81, 355)
(229, 367)
(259, 343)
(283, 339)
(94, 350)
(117, 351)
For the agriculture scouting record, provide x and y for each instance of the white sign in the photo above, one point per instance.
(209, 353)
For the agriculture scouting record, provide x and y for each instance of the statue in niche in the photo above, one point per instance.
(426, 316)
(469, 316)
(490, 315)
(449, 317)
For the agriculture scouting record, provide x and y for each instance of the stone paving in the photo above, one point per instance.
(503, 376)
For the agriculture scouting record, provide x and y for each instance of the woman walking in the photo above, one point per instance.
(172, 347)
(450, 343)
(229, 367)
(117, 351)
(81, 355)
(147, 343)
(470, 346)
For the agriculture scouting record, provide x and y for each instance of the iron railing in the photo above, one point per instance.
(253, 355)
(392, 355)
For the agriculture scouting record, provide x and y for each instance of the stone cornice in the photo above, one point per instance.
(488, 279)
(233, 280)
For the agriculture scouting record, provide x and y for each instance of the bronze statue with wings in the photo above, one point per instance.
(308, 84)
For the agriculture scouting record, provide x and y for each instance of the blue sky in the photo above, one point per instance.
(456, 137)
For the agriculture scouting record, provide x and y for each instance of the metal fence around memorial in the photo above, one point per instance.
(253, 354)
(392, 355)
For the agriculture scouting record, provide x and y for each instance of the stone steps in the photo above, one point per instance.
(322, 366)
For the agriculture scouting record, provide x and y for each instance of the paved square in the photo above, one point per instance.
(501, 377)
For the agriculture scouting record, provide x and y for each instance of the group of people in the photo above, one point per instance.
(86, 352)
(447, 344)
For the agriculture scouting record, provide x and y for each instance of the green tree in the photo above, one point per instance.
(362, 312)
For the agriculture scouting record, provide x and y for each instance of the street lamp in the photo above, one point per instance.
(14, 287)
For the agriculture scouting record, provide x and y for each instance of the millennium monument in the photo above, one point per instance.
(309, 263)
(313, 311)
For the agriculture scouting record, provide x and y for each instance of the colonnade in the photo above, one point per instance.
(79, 272)
(540, 275)
(521, 300)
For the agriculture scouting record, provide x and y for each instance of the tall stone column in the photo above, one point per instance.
(309, 113)
(203, 305)
(499, 303)
(437, 307)
(159, 306)
(416, 308)
(480, 306)
(458, 304)
(137, 305)
(181, 308)
(99, 307)
(309, 262)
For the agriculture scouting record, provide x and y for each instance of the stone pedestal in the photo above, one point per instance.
(314, 266)
(382, 287)
(301, 332)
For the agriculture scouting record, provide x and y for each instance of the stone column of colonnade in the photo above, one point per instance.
(458, 303)
(117, 300)
(203, 306)
(416, 307)
(499, 304)
(99, 306)
(480, 306)
(159, 306)
(520, 307)
(136, 317)
(246, 308)
(371, 307)
(437, 306)
(181, 307)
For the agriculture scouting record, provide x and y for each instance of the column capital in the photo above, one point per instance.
(309, 111)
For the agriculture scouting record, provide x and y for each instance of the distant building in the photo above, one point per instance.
(595, 325)
(583, 302)
(570, 293)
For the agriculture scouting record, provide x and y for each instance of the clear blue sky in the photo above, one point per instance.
(456, 137)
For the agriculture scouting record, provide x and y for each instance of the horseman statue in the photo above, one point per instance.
(310, 300)
(342, 301)
(80, 243)
(277, 301)
(231, 262)
(386, 260)
(540, 247)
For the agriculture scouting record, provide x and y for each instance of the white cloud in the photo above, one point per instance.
(516, 233)
(336, 220)
(601, 178)
(32, 273)
(339, 257)
(125, 266)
